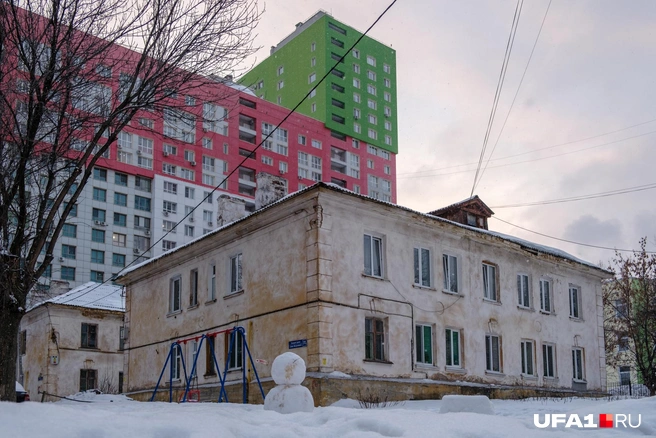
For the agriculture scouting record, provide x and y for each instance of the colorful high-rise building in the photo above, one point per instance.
(357, 98)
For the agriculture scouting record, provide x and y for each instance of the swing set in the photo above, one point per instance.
(176, 347)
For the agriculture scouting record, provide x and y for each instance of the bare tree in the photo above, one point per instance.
(73, 73)
(630, 314)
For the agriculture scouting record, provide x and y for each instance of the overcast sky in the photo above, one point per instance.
(592, 75)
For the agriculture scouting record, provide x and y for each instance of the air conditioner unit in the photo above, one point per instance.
(135, 250)
(147, 232)
(61, 259)
(205, 129)
(97, 222)
(210, 224)
(166, 154)
(165, 213)
(282, 172)
(104, 224)
(119, 147)
(138, 152)
(193, 163)
(191, 219)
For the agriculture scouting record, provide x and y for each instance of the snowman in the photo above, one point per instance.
(288, 371)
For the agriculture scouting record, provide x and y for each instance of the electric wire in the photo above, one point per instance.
(544, 148)
(287, 116)
(497, 94)
(537, 159)
(582, 197)
(521, 81)
(571, 241)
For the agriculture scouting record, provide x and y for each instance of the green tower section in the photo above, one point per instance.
(358, 98)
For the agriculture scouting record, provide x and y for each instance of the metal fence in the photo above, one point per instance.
(627, 388)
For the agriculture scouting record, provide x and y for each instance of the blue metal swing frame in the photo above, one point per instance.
(222, 376)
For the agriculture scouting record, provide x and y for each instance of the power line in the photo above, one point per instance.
(502, 77)
(582, 197)
(252, 153)
(535, 43)
(539, 159)
(570, 241)
(545, 148)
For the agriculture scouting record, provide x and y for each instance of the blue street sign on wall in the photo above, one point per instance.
(298, 343)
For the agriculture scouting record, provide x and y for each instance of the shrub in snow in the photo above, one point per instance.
(478, 404)
(288, 371)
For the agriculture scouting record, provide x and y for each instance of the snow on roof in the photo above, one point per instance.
(523, 243)
(93, 296)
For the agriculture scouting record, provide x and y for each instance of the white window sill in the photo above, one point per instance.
(210, 301)
(550, 379)
(489, 301)
(579, 381)
(544, 312)
(419, 286)
(526, 309)
(575, 319)
(529, 377)
(424, 366)
(458, 370)
(494, 373)
(373, 277)
(170, 314)
(233, 294)
(452, 293)
(194, 306)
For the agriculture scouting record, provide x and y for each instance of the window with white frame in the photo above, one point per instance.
(169, 149)
(193, 287)
(168, 245)
(207, 216)
(371, 89)
(373, 256)
(424, 344)
(176, 362)
(316, 144)
(236, 273)
(453, 348)
(387, 82)
(527, 348)
(371, 75)
(625, 375)
(422, 267)
(235, 349)
(167, 226)
(387, 96)
(372, 133)
(374, 339)
(189, 231)
(356, 98)
(193, 353)
(493, 353)
(207, 143)
(180, 125)
(371, 60)
(169, 207)
(175, 294)
(523, 292)
(212, 283)
(356, 53)
(387, 68)
(168, 169)
(490, 282)
(145, 145)
(187, 174)
(545, 295)
(450, 268)
(356, 82)
(578, 366)
(549, 360)
(170, 187)
(574, 301)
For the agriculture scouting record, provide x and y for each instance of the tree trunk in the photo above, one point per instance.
(9, 325)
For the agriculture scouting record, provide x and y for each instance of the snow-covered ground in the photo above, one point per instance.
(116, 416)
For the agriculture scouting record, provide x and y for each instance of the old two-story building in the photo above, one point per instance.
(376, 297)
(72, 343)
